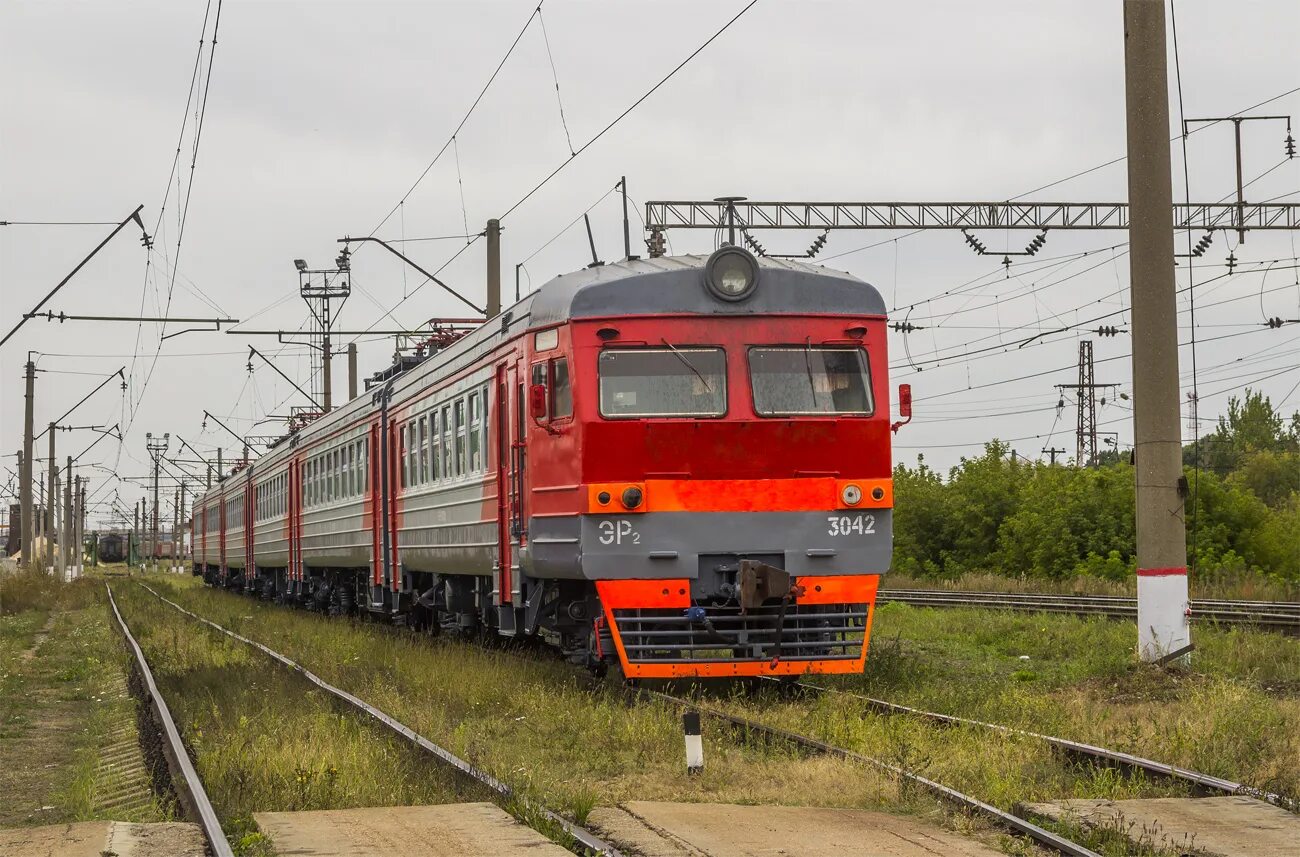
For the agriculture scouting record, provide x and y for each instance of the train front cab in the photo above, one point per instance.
(735, 505)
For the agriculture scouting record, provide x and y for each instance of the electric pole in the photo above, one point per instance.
(66, 529)
(335, 283)
(1085, 390)
(1053, 452)
(50, 502)
(1161, 488)
(493, 268)
(27, 500)
(156, 450)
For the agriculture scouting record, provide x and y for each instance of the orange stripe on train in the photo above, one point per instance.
(804, 494)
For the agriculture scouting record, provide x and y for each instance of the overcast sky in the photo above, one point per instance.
(321, 115)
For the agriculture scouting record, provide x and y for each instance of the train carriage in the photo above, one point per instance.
(680, 465)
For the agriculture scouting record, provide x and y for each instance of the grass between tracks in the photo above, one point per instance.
(1235, 713)
(61, 673)
(534, 723)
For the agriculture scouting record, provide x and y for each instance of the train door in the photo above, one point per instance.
(293, 523)
(250, 516)
(500, 417)
(374, 481)
(221, 538)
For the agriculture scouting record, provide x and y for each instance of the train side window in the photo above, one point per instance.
(561, 392)
(486, 434)
(461, 469)
(422, 464)
(435, 447)
(447, 467)
(474, 445)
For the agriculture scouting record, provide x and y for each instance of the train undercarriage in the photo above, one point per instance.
(766, 627)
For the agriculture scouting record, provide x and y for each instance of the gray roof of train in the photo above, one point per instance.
(674, 284)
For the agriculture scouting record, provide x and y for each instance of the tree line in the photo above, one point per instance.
(998, 513)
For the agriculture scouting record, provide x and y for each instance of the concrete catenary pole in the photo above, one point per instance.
(27, 463)
(493, 268)
(135, 536)
(66, 547)
(184, 529)
(327, 374)
(74, 542)
(51, 499)
(38, 526)
(1161, 487)
(176, 515)
(352, 371)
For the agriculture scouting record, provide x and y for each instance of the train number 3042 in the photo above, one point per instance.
(851, 525)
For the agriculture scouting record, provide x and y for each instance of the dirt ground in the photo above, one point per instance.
(449, 830)
(658, 829)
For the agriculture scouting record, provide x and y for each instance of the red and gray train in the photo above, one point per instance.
(679, 466)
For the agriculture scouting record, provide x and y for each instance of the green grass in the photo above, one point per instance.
(265, 739)
(60, 669)
(534, 723)
(1235, 713)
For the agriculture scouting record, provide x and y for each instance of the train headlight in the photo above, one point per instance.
(851, 495)
(731, 274)
(632, 497)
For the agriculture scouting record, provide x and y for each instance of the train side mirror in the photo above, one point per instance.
(904, 406)
(537, 402)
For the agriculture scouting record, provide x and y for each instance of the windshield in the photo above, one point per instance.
(799, 380)
(663, 382)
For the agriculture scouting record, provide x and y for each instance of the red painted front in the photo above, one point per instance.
(738, 445)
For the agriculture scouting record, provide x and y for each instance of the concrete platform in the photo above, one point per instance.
(652, 829)
(449, 830)
(1230, 826)
(99, 838)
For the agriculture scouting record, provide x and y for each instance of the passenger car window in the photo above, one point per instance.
(663, 382)
(796, 380)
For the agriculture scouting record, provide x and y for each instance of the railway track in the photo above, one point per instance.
(1275, 615)
(806, 743)
(189, 788)
(589, 842)
(1202, 782)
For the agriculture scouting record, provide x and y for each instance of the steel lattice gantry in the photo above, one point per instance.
(958, 215)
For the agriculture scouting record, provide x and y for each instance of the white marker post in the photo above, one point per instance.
(694, 744)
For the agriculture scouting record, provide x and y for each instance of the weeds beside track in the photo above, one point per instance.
(184, 778)
(528, 812)
(1199, 781)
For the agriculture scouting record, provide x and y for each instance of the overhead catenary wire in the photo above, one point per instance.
(576, 154)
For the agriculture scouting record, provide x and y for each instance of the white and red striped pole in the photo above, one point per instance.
(1157, 440)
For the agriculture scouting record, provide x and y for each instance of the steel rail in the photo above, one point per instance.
(1280, 615)
(1207, 782)
(1020, 825)
(179, 756)
(588, 839)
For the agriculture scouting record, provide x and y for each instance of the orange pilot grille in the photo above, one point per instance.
(826, 630)
(804, 494)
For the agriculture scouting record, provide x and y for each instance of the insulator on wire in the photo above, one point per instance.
(904, 327)
(1290, 144)
(1275, 322)
(1108, 330)
(1232, 261)
(1204, 244)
